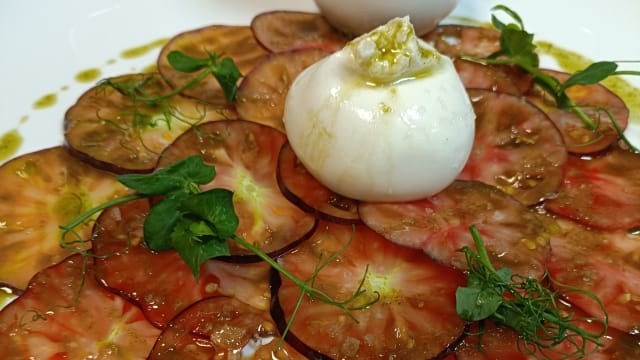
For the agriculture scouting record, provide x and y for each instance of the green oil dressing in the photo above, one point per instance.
(9, 144)
(151, 68)
(88, 75)
(571, 61)
(142, 50)
(46, 101)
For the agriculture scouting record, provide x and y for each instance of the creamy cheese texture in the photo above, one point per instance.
(384, 119)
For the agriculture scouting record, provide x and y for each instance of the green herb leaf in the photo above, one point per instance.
(184, 175)
(518, 44)
(185, 63)
(216, 207)
(161, 220)
(592, 74)
(474, 303)
(512, 14)
(227, 74)
(197, 242)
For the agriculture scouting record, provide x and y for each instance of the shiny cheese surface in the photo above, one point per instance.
(384, 119)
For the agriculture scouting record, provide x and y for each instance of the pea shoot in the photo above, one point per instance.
(524, 305)
(517, 48)
(224, 69)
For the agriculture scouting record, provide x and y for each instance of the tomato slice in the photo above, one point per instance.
(245, 155)
(236, 42)
(288, 30)
(601, 191)
(299, 186)
(439, 225)
(591, 98)
(414, 318)
(41, 191)
(47, 322)
(516, 147)
(604, 263)
(161, 283)
(501, 78)
(457, 40)
(222, 327)
(263, 91)
(113, 131)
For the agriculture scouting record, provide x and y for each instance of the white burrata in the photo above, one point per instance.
(385, 119)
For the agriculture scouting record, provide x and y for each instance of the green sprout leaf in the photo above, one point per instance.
(523, 304)
(185, 63)
(228, 75)
(184, 175)
(216, 208)
(161, 220)
(592, 74)
(197, 242)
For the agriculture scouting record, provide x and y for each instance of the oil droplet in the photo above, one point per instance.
(9, 144)
(88, 75)
(46, 101)
(571, 61)
(143, 49)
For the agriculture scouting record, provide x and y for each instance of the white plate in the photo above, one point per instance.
(46, 43)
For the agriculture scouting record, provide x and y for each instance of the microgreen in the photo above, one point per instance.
(223, 69)
(524, 305)
(198, 225)
(517, 48)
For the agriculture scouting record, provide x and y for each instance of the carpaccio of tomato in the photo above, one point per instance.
(544, 199)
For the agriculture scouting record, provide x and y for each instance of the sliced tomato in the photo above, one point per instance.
(66, 314)
(414, 317)
(111, 130)
(222, 328)
(263, 91)
(42, 191)
(236, 42)
(457, 40)
(245, 155)
(439, 225)
(161, 283)
(603, 263)
(500, 78)
(591, 98)
(299, 186)
(601, 191)
(516, 147)
(289, 30)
